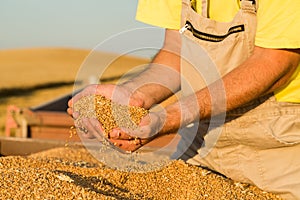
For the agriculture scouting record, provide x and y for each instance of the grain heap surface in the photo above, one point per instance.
(72, 173)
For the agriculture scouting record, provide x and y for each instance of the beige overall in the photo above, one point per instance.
(258, 143)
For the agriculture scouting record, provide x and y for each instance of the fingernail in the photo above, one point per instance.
(75, 115)
(115, 134)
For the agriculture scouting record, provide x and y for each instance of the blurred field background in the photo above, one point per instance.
(43, 44)
(30, 77)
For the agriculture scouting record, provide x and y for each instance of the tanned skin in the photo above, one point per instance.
(262, 73)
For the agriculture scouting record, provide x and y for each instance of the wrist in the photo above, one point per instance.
(138, 95)
(170, 119)
(180, 114)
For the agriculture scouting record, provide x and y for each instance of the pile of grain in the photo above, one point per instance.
(72, 173)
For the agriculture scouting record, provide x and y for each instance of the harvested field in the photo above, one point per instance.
(72, 173)
(28, 68)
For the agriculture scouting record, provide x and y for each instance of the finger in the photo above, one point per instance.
(89, 90)
(150, 125)
(128, 145)
(70, 107)
(93, 128)
(73, 114)
(118, 133)
(138, 102)
(88, 135)
(143, 132)
(146, 128)
(70, 103)
(70, 111)
(84, 133)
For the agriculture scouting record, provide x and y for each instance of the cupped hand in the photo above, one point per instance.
(149, 128)
(126, 140)
(91, 127)
(116, 93)
(123, 142)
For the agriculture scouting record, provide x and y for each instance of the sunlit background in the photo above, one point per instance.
(43, 44)
(65, 23)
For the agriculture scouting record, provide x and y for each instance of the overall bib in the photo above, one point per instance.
(258, 143)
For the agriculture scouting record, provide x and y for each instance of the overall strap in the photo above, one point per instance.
(249, 5)
(205, 8)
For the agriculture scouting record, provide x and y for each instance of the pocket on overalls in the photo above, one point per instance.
(283, 128)
(267, 127)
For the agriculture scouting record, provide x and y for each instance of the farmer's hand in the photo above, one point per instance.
(116, 93)
(120, 140)
(92, 128)
(148, 129)
(128, 140)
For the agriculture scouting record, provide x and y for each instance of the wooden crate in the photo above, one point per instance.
(52, 125)
(47, 121)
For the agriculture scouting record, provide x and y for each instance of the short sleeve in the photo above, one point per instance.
(161, 13)
(278, 24)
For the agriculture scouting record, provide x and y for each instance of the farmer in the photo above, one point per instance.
(237, 59)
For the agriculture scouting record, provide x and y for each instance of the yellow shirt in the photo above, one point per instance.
(277, 26)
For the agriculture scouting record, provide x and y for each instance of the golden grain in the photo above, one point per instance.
(110, 114)
(72, 173)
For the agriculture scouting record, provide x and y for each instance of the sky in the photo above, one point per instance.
(70, 23)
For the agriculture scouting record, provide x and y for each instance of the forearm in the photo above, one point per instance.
(161, 79)
(262, 73)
